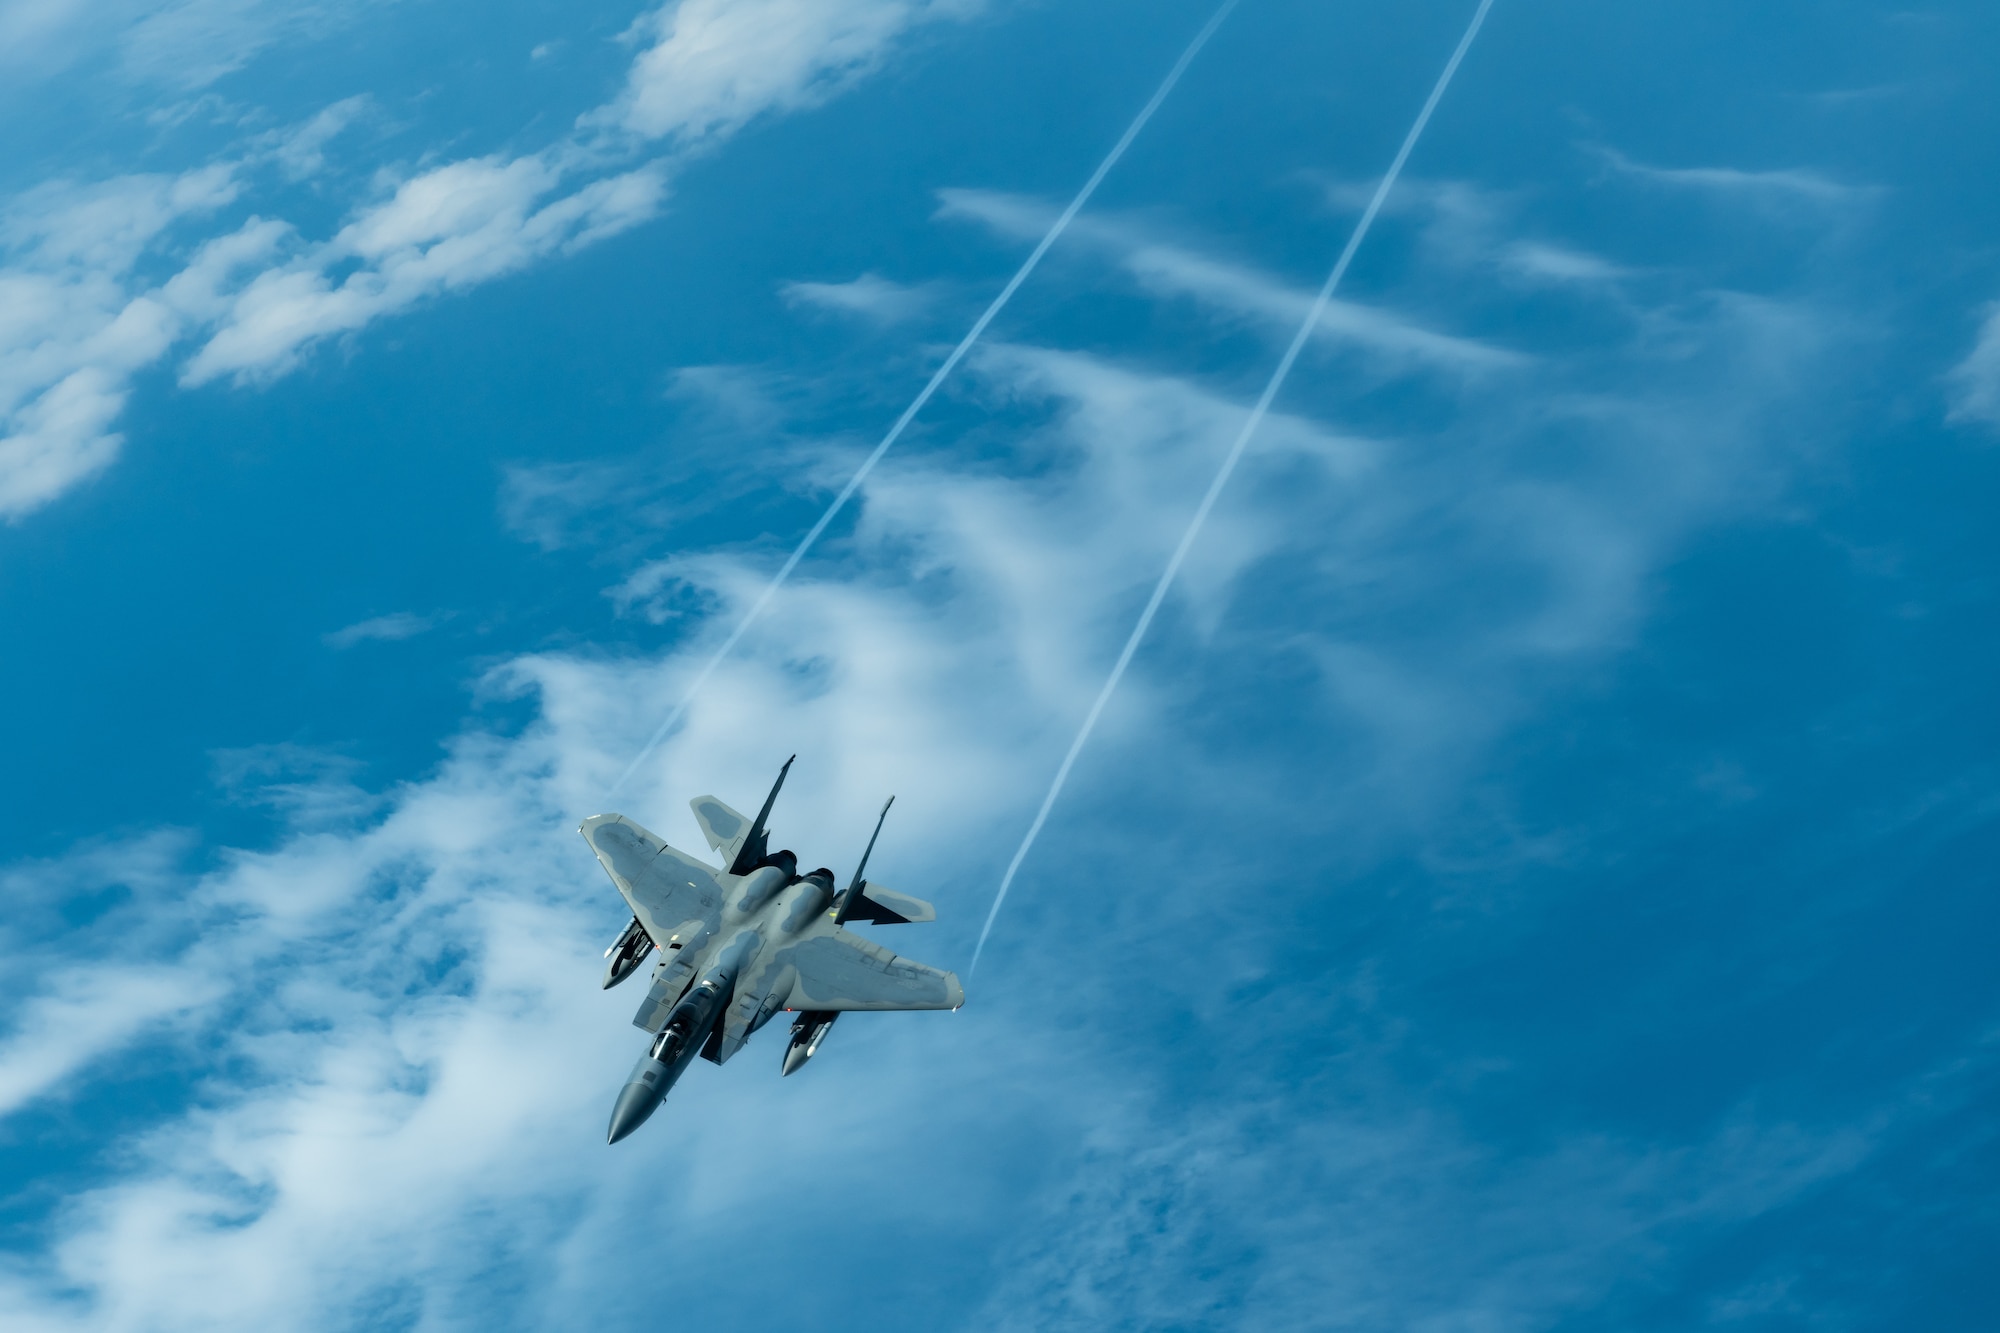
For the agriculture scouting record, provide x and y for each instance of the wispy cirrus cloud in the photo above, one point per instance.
(76, 1018)
(871, 296)
(1543, 262)
(391, 628)
(710, 69)
(1461, 1235)
(1239, 290)
(713, 66)
(448, 229)
(1975, 381)
(1784, 184)
(73, 329)
(178, 45)
(311, 789)
(71, 915)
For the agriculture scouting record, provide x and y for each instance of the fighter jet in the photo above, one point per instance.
(742, 941)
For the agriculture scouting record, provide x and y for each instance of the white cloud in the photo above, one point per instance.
(1180, 272)
(301, 151)
(712, 67)
(629, 503)
(78, 996)
(1238, 290)
(1560, 264)
(1796, 184)
(1975, 381)
(388, 629)
(82, 1015)
(311, 789)
(870, 296)
(716, 65)
(61, 439)
(72, 331)
(543, 502)
(192, 43)
(106, 226)
(1391, 1217)
(174, 44)
(452, 227)
(1463, 228)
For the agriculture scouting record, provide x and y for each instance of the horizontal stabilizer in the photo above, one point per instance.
(842, 971)
(884, 906)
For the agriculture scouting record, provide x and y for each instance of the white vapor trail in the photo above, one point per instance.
(1060, 225)
(1229, 462)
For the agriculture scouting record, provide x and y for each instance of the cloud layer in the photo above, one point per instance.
(1422, 943)
(404, 1063)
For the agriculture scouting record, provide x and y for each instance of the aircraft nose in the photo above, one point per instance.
(637, 1099)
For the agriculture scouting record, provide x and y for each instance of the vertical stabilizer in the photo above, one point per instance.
(757, 842)
(852, 898)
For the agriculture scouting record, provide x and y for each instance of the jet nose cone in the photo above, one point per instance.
(634, 1104)
(637, 1100)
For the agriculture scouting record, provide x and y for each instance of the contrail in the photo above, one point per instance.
(1060, 225)
(1229, 462)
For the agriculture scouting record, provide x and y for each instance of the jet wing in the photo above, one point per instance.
(666, 889)
(841, 970)
(724, 828)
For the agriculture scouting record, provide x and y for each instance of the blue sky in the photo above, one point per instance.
(1538, 874)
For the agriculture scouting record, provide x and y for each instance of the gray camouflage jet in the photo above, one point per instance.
(741, 942)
